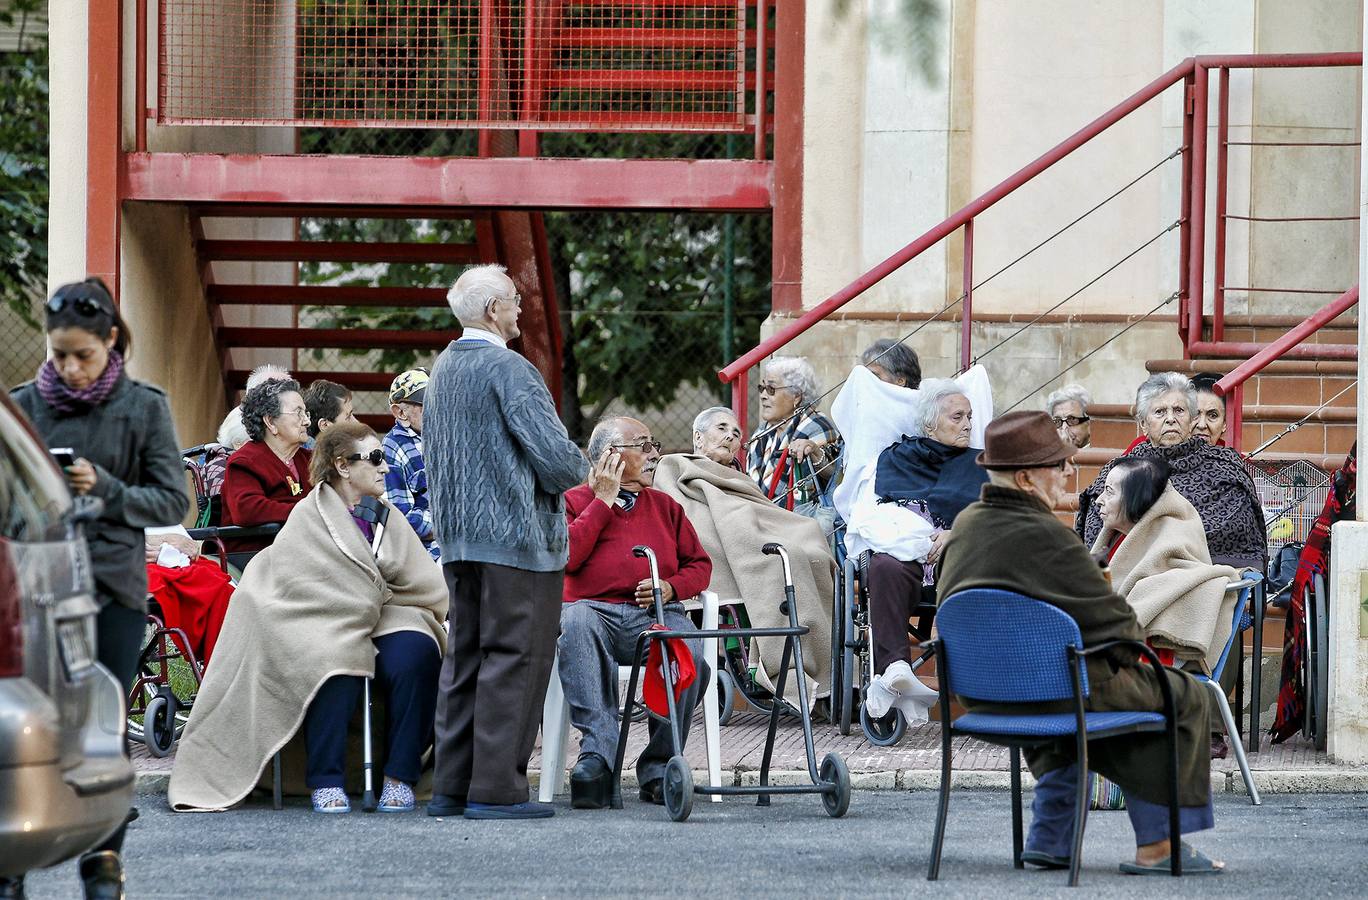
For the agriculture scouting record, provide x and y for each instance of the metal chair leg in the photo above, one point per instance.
(277, 788)
(1016, 809)
(1080, 813)
(943, 807)
(1229, 721)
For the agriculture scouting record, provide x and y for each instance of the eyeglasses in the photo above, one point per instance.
(769, 390)
(300, 414)
(375, 457)
(645, 446)
(83, 298)
(1071, 421)
(516, 300)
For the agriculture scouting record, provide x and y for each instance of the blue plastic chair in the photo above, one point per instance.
(999, 646)
(1250, 585)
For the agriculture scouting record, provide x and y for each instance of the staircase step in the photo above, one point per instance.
(1277, 367)
(352, 381)
(345, 338)
(324, 295)
(337, 251)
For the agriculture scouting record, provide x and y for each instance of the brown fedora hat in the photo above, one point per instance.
(1023, 440)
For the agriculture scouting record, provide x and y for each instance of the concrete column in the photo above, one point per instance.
(1348, 696)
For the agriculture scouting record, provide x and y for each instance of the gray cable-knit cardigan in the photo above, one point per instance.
(498, 460)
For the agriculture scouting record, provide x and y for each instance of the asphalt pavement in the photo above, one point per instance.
(1308, 845)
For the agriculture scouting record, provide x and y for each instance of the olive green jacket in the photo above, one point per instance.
(1010, 540)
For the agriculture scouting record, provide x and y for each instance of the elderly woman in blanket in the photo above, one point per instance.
(315, 613)
(1154, 541)
(911, 469)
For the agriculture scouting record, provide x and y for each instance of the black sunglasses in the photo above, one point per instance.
(644, 445)
(375, 457)
(1071, 421)
(87, 300)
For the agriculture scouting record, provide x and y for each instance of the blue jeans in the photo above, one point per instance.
(1052, 815)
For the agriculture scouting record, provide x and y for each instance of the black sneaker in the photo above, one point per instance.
(12, 888)
(446, 806)
(653, 791)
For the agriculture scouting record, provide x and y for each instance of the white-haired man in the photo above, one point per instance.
(498, 460)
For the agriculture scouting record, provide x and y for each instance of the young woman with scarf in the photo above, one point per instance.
(125, 454)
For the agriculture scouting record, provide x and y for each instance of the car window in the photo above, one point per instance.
(32, 493)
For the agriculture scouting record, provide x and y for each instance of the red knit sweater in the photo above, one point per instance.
(258, 489)
(602, 566)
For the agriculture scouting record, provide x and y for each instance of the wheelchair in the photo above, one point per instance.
(853, 654)
(169, 674)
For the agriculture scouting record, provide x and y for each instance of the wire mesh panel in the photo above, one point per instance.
(1292, 494)
(660, 65)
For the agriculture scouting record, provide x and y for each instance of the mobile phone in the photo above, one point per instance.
(64, 456)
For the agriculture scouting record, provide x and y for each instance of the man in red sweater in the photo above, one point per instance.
(608, 602)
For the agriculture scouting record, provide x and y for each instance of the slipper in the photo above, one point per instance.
(332, 800)
(1044, 860)
(1195, 862)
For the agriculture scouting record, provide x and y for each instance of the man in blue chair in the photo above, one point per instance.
(1011, 539)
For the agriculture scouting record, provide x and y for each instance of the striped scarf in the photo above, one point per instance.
(63, 399)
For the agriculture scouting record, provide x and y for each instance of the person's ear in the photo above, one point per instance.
(113, 338)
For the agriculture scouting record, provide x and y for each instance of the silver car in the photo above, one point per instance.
(65, 783)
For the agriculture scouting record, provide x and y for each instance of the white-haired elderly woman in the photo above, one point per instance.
(935, 474)
(793, 433)
(1212, 478)
(717, 435)
(1068, 409)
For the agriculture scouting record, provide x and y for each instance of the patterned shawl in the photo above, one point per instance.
(1215, 481)
(762, 463)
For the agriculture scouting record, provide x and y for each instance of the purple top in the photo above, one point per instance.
(366, 528)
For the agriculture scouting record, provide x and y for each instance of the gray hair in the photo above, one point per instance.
(478, 286)
(607, 431)
(896, 358)
(231, 433)
(1161, 383)
(931, 396)
(796, 374)
(704, 420)
(1069, 392)
(262, 401)
(267, 372)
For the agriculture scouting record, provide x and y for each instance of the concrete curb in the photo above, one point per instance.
(1273, 781)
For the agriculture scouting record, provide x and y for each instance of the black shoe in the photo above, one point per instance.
(102, 875)
(12, 888)
(446, 806)
(653, 791)
(527, 810)
(591, 783)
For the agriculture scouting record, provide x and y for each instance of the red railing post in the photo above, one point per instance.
(1222, 151)
(1197, 207)
(140, 78)
(741, 400)
(967, 311)
(761, 64)
(1235, 417)
(489, 31)
(1185, 206)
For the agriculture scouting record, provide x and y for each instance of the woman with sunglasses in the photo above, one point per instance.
(269, 474)
(315, 613)
(123, 451)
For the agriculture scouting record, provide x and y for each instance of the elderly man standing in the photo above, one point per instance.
(1011, 539)
(608, 602)
(498, 460)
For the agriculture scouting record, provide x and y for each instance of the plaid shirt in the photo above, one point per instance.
(764, 455)
(406, 482)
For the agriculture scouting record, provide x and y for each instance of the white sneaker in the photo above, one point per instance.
(915, 703)
(899, 678)
(879, 699)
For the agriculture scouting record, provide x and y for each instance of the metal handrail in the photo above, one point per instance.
(1280, 347)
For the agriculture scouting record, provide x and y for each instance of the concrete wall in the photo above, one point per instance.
(915, 130)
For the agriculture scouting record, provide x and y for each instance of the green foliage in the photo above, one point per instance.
(23, 160)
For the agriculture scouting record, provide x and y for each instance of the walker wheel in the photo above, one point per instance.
(834, 771)
(678, 789)
(883, 732)
(159, 724)
(726, 696)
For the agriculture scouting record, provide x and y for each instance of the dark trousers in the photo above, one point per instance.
(406, 666)
(596, 638)
(119, 633)
(1052, 815)
(504, 623)
(895, 590)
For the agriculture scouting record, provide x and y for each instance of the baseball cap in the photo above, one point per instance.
(409, 387)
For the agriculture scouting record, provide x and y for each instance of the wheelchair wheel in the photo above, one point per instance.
(834, 771)
(726, 696)
(159, 724)
(883, 732)
(678, 789)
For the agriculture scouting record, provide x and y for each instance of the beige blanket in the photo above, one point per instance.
(1165, 573)
(306, 609)
(734, 520)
